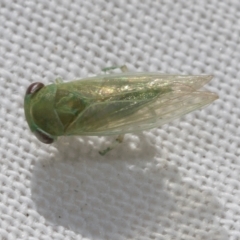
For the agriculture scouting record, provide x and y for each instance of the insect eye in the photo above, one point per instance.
(34, 87)
(43, 137)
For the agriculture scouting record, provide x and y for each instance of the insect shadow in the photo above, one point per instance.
(122, 195)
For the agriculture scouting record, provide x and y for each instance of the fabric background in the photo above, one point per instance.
(180, 181)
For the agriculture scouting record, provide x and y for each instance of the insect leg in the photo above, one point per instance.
(119, 139)
(123, 68)
(58, 80)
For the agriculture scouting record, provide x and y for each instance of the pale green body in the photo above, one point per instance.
(114, 104)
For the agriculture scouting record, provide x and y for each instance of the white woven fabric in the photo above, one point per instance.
(180, 181)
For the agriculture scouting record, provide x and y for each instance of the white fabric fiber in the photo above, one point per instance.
(180, 181)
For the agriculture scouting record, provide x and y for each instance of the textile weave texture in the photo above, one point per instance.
(180, 181)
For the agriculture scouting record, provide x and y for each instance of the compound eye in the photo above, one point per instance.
(43, 137)
(34, 87)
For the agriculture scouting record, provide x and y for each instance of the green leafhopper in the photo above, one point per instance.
(110, 104)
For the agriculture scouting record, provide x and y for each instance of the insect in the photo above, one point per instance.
(112, 104)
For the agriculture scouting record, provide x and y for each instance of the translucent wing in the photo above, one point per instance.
(129, 103)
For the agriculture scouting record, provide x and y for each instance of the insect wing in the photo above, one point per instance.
(141, 103)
